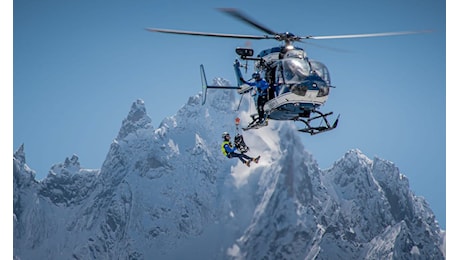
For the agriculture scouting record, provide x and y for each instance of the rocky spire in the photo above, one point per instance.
(20, 155)
(136, 119)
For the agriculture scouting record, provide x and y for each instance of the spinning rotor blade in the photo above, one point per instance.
(287, 37)
(325, 47)
(362, 35)
(239, 15)
(225, 35)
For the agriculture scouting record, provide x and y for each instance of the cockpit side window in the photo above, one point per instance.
(321, 70)
(282, 85)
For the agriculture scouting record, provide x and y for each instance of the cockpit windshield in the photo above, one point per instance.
(294, 70)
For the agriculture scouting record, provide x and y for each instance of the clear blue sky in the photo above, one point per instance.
(79, 65)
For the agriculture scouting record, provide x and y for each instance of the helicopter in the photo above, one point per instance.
(298, 85)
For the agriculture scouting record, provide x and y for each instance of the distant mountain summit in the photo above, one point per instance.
(168, 193)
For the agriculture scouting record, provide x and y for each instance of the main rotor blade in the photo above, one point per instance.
(225, 35)
(239, 15)
(362, 35)
(325, 47)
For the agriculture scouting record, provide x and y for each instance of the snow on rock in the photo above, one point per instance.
(137, 119)
(169, 193)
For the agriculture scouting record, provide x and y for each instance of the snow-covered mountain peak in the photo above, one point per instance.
(19, 166)
(137, 119)
(354, 156)
(170, 193)
(19, 155)
(69, 166)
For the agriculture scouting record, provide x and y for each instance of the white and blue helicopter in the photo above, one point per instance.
(299, 86)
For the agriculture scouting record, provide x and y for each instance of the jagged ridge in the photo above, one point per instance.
(168, 193)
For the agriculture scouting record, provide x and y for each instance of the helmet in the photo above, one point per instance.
(256, 75)
(225, 134)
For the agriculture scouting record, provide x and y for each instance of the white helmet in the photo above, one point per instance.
(225, 134)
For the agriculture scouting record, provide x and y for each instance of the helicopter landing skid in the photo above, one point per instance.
(313, 130)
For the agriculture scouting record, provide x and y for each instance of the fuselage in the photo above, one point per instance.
(301, 85)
